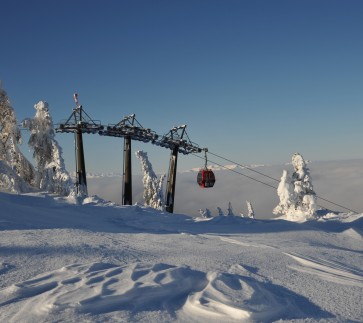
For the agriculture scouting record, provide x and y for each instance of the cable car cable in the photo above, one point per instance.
(232, 170)
(269, 185)
(244, 166)
(324, 199)
(343, 207)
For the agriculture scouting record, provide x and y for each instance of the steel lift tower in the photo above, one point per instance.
(78, 123)
(176, 142)
(130, 129)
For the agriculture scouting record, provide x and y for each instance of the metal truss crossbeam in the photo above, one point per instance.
(175, 139)
(79, 120)
(130, 127)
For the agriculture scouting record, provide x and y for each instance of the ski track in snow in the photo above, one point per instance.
(327, 270)
(245, 244)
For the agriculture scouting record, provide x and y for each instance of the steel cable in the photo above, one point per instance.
(264, 183)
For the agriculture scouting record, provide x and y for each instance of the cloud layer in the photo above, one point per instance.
(338, 181)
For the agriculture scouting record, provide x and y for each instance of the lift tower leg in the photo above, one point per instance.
(80, 165)
(170, 185)
(127, 179)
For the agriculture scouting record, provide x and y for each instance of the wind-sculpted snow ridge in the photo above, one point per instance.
(354, 234)
(235, 298)
(178, 292)
(100, 288)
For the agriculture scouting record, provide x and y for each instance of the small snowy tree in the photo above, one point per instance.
(296, 194)
(208, 213)
(230, 209)
(220, 212)
(285, 191)
(153, 186)
(251, 213)
(303, 187)
(10, 137)
(205, 213)
(51, 175)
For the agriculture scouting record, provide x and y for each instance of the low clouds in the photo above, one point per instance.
(337, 181)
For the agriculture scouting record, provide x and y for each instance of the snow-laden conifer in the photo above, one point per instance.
(285, 191)
(51, 175)
(230, 209)
(208, 213)
(251, 212)
(205, 213)
(153, 186)
(296, 193)
(10, 154)
(303, 187)
(220, 212)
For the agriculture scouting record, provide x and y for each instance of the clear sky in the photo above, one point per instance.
(254, 81)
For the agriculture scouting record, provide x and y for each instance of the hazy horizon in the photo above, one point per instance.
(337, 181)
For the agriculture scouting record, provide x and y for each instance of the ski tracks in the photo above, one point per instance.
(327, 270)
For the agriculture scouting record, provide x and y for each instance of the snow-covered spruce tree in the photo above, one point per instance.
(251, 212)
(10, 154)
(220, 212)
(153, 186)
(51, 175)
(285, 191)
(303, 187)
(230, 209)
(208, 214)
(296, 193)
(205, 213)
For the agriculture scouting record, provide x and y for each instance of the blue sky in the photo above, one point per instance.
(254, 81)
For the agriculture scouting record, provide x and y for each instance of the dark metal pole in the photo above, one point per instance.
(80, 166)
(127, 178)
(170, 185)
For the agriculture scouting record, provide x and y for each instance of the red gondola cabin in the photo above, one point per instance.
(206, 178)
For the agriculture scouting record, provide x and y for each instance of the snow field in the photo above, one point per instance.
(92, 261)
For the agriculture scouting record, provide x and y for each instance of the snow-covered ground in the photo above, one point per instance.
(62, 261)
